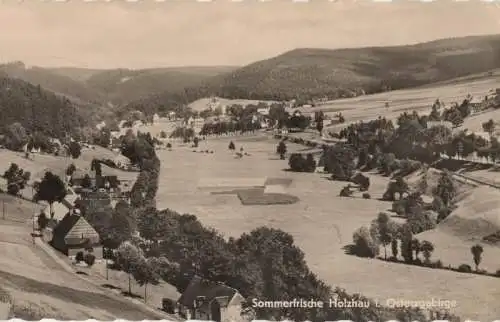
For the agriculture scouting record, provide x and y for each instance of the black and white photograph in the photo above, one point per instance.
(233, 161)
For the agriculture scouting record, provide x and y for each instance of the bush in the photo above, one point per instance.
(437, 264)
(169, 145)
(298, 163)
(398, 207)
(497, 273)
(418, 262)
(482, 272)
(421, 221)
(464, 268)
(79, 257)
(108, 253)
(346, 192)
(89, 259)
(364, 243)
(13, 189)
(366, 195)
(407, 167)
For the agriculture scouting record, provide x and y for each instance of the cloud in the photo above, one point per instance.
(173, 33)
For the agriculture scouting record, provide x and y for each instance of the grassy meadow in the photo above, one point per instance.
(322, 224)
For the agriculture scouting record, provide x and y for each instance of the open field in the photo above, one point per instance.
(474, 122)
(419, 99)
(322, 224)
(202, 104)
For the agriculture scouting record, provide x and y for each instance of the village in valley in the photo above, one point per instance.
(84, 193)
(319, 185)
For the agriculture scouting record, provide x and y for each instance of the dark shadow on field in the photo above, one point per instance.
(111, 287)
(82, 273)
(117, 307)
(257, 197)
(278, 181)
(131, 295)
(464, 165)
(349, 249)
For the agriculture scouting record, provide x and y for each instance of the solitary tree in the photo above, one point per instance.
(70, 169)
(42, 221)
(86, 181)
(146, 273)
(11, 172)
(15, 137)
(310, 163)
(427, 249)
(477, 251)
(231, 146)
(281, 150)
(319, 122)
(416, 247)
(95, 165)
(51, 189)
(74, 149)
(128, 258)
(382, 223)
(394, 247)
(406, 243)
(364, 243)
(489, 126)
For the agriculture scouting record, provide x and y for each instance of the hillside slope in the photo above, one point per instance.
(79, 74)
(36, 109)
(54, 82)
(40, 288)
(126, 85)
(323, 72)
(319, 73)
(94, 87)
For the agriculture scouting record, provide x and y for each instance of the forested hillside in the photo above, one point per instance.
(305, 74)
(36, 109)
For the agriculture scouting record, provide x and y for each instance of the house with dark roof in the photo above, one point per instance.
(209, 300)
(78, 178)
(74, 234)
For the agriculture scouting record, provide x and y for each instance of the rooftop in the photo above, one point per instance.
(208, 289)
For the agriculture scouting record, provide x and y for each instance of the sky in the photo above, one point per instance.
(187, 33)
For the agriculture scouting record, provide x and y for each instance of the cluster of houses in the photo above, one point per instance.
(70, 233)
(67, 230)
